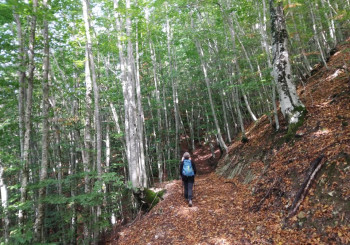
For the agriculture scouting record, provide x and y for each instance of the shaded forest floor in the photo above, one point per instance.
(248, 198)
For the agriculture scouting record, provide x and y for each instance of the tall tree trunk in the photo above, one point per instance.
(122, 61)
(159, 115)
(289, 100)
(28, 114)
(87, 158)
(4, 204)
(45, 129)
(90, 57)
(268, 58)
(97, 119)
(237, 68)
(140, 119)
(73, 171)
(134, 165)
(21, 80)
(314, 28)
(206, 78)
(174, 89)
(301, 48)
(223, 96)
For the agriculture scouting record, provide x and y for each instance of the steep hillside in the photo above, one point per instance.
(275, 167)
(260, 193)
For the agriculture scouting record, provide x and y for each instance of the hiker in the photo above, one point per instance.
(187, 172)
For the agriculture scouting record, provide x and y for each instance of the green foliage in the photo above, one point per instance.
(22, 236)
(5, 13)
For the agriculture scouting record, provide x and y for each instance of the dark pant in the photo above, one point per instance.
(188, 189)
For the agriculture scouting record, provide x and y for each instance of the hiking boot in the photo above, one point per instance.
(190, 203)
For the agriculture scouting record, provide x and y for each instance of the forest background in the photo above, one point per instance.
(98, 97)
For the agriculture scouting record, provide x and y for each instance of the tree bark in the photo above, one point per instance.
(268, 58)
(282, 73)
(140, 120)
(87, 157)
(21, 80)
(38, 226)
(28, 114)
(134, 164)
(174, 89)
(4, 204)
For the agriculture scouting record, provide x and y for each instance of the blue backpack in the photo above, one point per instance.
(187, 169)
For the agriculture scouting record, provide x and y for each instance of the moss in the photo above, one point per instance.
(150, 198)
(293, 127)
(344, 123)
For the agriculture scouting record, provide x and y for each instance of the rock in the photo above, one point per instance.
(259, 228)
(331, 193)
(301, 215)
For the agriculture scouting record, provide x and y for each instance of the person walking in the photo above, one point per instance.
(188, 172)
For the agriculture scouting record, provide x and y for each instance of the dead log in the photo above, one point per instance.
(299, 198)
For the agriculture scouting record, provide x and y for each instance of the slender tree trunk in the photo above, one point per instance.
(230, 21)
(73, 170)
(159, 115)
(314, 28)
(121, 48)
(4, 204)
(206, 78)
(166, 123)
(97, 119)
(236, 66)
(21, 79)
(45, 130)
(282, 73)
(27, 114)
(87, 158)
(90, 57)
(301, 49)
(238, 109)
(225, 116)
(174, 89)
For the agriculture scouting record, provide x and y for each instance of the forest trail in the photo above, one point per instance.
(211, 220)
(222, 208)
(219, 214)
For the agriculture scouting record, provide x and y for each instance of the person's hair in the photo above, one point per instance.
(186, 155)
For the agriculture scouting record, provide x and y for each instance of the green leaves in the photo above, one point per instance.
(5, 13)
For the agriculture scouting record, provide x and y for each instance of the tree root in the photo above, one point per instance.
(313, 170)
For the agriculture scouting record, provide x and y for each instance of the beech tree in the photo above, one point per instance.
(291, 106)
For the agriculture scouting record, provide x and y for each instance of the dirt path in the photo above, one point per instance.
(215, 218)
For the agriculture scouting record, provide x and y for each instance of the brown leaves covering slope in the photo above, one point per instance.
(251, 208)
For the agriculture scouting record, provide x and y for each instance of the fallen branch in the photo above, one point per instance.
(299, 198)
